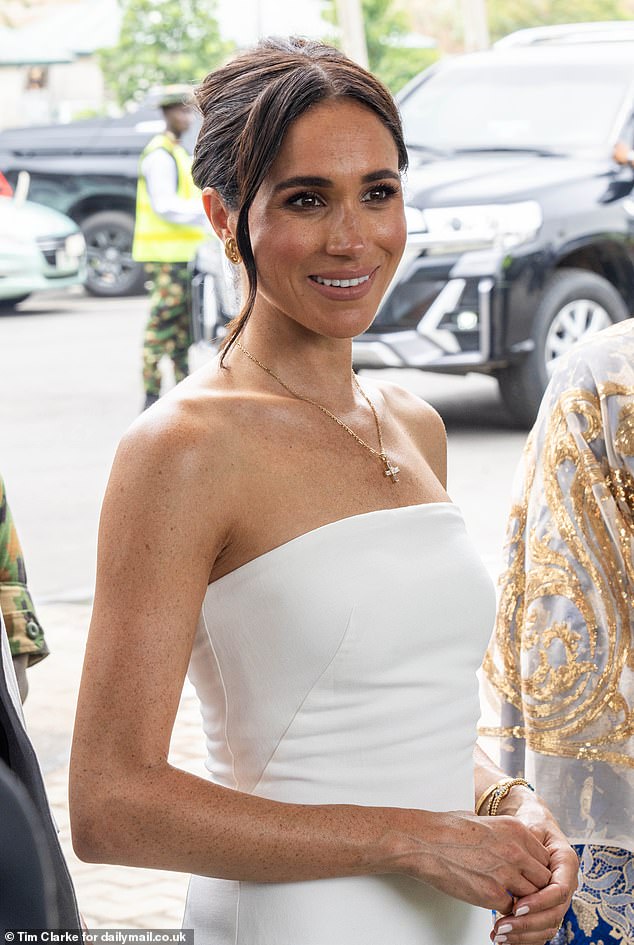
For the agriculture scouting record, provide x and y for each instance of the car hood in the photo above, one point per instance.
(32, 220)
(463, 180)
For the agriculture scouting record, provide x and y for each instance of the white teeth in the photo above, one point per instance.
(341, 283)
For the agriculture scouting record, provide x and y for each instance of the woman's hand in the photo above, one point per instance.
(487, 861)
(536, 918)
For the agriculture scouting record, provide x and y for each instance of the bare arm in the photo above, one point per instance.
(164, 523)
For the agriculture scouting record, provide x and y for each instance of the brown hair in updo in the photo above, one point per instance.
(248, 106)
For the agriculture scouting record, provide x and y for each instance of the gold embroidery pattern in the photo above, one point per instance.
(562, 654)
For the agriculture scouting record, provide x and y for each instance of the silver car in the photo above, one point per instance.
(39, 249)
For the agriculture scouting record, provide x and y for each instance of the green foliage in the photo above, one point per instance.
(163, 42)
(385, 29)
(505, 16)
(400, 64)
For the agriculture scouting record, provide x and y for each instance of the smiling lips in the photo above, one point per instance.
(343, 283)
(344, 287)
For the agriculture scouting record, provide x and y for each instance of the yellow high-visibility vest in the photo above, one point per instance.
(156, 239)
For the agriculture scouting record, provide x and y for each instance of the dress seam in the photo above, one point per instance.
(226, 699)
(303, 702)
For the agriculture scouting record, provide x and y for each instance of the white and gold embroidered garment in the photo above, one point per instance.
(557, 682)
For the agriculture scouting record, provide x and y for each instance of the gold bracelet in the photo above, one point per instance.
(501, 790)
(486, 794)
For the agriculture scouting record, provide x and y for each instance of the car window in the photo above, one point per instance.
(557, 107)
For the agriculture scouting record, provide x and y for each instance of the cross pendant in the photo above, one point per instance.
(390, 470)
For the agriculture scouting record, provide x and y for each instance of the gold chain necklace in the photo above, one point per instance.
(390, 470)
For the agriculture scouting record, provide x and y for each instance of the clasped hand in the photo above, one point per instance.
(535, 918)
(518, 864)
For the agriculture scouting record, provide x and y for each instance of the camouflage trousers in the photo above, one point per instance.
(168, 329)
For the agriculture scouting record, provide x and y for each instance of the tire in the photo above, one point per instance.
(111, 270)
(575, 304)
(7, 305)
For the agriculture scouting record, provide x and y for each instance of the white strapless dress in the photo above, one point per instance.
(340, 667)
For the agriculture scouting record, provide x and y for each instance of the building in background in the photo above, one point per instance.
(48, 67)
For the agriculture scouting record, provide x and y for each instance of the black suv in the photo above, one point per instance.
(521, 225)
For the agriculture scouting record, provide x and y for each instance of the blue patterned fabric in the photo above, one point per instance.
(602, 910)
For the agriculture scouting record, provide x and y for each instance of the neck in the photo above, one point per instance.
(318, 367)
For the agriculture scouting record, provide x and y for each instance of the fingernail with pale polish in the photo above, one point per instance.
(505, 928)
(500, 939)
(523, 910)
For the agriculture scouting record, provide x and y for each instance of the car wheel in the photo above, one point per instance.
(111, 269)
(7, 305)
(575, 304)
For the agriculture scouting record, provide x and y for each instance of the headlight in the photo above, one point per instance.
(75, 245)
(498, 225)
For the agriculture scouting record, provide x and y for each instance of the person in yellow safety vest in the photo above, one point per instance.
(170, 225)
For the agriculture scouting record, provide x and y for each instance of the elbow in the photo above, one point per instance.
(85, 843)
(98, 816)
(90, 824)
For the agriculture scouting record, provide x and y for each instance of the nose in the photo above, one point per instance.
(345, 233)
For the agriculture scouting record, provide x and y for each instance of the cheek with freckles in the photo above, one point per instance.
(283, 259)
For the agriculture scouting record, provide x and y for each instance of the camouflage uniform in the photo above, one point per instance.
(168, 329)
(23, 628)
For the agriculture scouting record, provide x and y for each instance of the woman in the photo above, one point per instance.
(285, 533)
(558, 683)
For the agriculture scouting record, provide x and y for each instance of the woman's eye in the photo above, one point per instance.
(306, 200)
(380, 192)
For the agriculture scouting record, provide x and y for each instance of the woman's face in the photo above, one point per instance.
(327, 225)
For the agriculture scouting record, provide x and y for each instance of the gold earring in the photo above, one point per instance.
(231, 251)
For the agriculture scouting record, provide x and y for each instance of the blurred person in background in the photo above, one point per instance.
(623, 153)
(36, 890)
(26, 636)
(170, 225)
(558, 677)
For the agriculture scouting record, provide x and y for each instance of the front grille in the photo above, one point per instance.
(58, 264)
(49, 248)
(408, 303)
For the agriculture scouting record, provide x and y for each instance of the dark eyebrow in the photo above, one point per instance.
(380, 175)
(326, 182)
(302, 182)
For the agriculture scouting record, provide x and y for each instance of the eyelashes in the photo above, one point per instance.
(309, 200)
(381, 192)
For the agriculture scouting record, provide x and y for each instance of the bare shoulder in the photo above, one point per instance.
(420, 422)
(172, 438)
(178, 462)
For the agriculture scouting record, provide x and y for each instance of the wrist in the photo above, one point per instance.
(520, 796)
(491, 801)
(406, 848)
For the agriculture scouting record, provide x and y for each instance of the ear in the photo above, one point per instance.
(222, 219)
